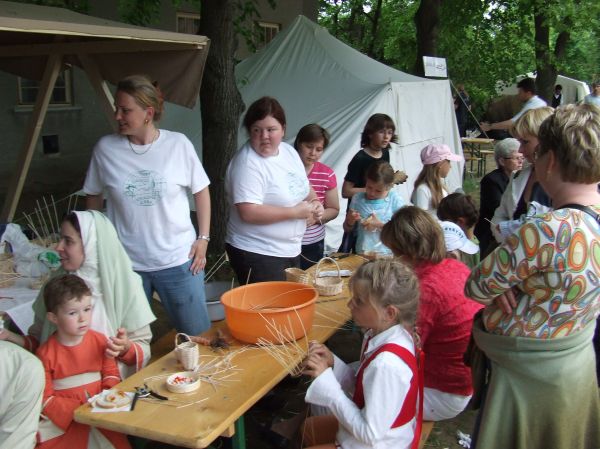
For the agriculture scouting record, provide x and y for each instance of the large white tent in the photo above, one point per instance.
(319, 79)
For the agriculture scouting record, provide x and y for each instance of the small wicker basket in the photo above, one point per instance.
(297, 275)
(187, 352)
(328, 286)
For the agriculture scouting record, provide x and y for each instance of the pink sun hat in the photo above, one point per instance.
(434, 153)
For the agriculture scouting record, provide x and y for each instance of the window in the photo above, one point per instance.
(61, 95)
(266, 32)
(188, 23)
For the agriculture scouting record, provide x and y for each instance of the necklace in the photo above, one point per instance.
(139, 153)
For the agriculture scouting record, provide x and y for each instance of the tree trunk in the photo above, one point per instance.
(221, 105)
(374, 30)
(546, 60)
(427, 19)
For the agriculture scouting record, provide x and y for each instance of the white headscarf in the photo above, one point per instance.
(89, 272)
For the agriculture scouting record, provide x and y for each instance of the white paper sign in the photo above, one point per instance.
(435, 67)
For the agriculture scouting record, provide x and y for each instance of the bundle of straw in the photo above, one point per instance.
(8, 276)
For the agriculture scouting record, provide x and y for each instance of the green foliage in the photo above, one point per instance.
(485, 42)
(391, 42)
(140, 12)
(147, 12)
(247, 14)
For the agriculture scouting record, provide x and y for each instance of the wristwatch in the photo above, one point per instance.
(203, 237)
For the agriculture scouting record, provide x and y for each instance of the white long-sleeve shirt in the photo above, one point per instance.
(386, 381)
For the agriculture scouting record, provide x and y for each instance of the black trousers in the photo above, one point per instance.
(252, 267)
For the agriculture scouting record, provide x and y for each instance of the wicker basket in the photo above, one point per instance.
(328, 286)
(187, 352)
(297, 275)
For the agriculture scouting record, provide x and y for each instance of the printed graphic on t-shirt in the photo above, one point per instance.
(298, 187)
(145, 187)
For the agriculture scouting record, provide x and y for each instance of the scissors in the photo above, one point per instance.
(144, 392)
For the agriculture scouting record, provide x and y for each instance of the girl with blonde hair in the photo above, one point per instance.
(429, 187)
(384, 411)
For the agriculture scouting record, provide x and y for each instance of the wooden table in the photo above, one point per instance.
(474, 147)
(198, 425)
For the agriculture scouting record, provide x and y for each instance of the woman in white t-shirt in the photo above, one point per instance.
(269, 197)
(429, 187)
(146, 174)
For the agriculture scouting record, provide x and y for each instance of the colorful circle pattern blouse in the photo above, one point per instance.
(553, 260)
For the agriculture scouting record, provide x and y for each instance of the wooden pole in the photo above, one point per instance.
(102, 91)
(38, 114)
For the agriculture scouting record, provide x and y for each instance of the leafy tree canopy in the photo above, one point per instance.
(485, 42)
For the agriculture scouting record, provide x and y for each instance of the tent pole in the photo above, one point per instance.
(104, 94)
(38, 114)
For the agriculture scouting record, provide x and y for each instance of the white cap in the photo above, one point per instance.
(456, 238)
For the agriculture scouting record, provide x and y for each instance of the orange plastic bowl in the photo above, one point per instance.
(253, 311)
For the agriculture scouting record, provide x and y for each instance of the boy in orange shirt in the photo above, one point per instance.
(75, 365)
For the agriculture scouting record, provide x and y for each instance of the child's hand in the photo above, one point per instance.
(372, 223)
(314, 365)
(352, 217)
(318, 209)
(118, 345)
(400, 177)
(314, 347)
(317, 212)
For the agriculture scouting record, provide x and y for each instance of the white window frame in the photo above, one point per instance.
(188, 17)
(64, 82)
(266, 32)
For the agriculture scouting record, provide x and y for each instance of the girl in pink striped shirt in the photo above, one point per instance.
(310, 143)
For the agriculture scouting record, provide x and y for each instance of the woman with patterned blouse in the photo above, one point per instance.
(541, 288)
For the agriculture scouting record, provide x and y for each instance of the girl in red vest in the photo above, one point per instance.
(376, 406)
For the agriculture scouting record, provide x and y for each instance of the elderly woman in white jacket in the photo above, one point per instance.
(523, 196)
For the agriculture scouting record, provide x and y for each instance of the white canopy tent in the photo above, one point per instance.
(36, 42)
(319, 79)
(573, 90)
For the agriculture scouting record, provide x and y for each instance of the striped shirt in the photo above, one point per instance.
(322, 179)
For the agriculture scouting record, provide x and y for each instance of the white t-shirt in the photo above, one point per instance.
(533, 103)
(421, 197)
(147, 195)
(276, 181)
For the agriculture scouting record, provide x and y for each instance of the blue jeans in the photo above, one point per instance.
(182, 295)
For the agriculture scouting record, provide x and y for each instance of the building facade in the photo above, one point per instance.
(74, 121)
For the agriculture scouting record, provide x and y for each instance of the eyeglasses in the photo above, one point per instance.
(515, 158)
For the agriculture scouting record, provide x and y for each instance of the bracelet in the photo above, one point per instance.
(203, 237)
